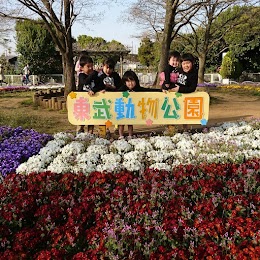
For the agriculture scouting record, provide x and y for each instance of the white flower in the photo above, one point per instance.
(133, 165)
(134, 155)
(110, 163)
(97, 149)
(161, 166)
(110, 167)
(88, 157)
(72, 148)
(141, 144)
(158, 156)
(120, 146)
(162, 142)
(61, 164)
(230, 142)
(110, 158)
(101, 141)
(86, 137)
(63, 136)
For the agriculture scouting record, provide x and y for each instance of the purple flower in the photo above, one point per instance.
(17, 145)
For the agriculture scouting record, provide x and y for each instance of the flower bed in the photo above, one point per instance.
(17, 145)
(13, 88)
(252, 88)
(230, 142)
(210, 211)
(189, 196)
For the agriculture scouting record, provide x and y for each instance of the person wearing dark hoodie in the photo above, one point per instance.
(188, 76)
(88, 82)
(131, 83)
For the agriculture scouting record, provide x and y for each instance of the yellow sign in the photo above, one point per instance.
(138, 108)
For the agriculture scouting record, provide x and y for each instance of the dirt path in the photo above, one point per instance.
(232, 107)
(225, 106)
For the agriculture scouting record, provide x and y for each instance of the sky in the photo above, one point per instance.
(110, 27)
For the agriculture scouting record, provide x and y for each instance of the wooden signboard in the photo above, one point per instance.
(138, 108)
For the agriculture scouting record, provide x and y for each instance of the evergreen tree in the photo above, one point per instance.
(36, 48)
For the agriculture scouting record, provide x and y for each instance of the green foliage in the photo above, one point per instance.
(86, 42)
(9, 69)
(146, 52)
(236, 29)
(37, 48)
(244, 40)
(230, 68)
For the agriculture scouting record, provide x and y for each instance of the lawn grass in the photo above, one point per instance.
(18, 109)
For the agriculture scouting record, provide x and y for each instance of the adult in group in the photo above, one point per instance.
(2, 76)
(26, 71)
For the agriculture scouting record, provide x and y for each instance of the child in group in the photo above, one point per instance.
(188, 76)
(109, 77)
(89, 82)
(110, 80)
(170, 75)
(130, 83)
(77, 65)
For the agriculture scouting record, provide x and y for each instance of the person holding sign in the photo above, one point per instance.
(131, 83)
(109, 77)
(188, 77)
(110, 80)
(89, 82)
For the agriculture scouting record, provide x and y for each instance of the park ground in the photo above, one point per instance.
(17, 109)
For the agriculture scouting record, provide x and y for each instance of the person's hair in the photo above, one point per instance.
(110, 63)
(174, 54)
(130, 75)
(188, 57)
(85, 60)
(83, 53)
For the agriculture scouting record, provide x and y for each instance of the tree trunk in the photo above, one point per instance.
(167, 36)
(202, 62)
(68, 71)
(68, 61)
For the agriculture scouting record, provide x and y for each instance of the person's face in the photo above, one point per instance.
(130, 84)
(186, 66)
(173, 61)
(87, 68)
(108, 71)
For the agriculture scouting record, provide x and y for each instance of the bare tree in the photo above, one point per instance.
(164, 19)
(58, 16)
(206, 33)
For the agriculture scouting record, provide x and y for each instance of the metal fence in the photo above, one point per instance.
(35, 79)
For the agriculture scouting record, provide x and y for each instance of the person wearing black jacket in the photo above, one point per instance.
(88, 82)
(110, 79)
(131, 83)
(88, 78)
(169, 76)
(111, 82)
(188, 76)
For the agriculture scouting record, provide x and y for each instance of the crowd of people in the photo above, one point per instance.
(180, 75)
